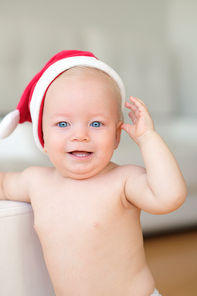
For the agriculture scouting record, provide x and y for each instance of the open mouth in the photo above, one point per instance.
(80, 153)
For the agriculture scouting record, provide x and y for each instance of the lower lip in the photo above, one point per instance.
(85, 157)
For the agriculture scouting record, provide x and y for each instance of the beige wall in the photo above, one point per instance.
(152, 44)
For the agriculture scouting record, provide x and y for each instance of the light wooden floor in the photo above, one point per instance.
(173, 261)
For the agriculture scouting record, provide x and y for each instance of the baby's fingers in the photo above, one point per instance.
(132, 107)
(138, 103)
(140, 116)
(133, 117)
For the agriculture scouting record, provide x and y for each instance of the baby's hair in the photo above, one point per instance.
(78, 70)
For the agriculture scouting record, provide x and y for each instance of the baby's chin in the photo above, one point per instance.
(76, 175)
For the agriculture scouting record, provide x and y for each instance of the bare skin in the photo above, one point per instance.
(87, 209)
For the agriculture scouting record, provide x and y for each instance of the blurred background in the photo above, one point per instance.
(153, 46)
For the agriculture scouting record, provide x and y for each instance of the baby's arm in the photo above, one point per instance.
(15, 186)
(161, 187)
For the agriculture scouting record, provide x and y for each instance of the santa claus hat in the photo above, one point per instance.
(30, 106)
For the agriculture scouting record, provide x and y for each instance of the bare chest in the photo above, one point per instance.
(86, 228)
(78, 208)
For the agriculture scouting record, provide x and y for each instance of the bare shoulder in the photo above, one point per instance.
(36, 172)
(37, 177)
(121, 176)
(18, 185)
(128, 171)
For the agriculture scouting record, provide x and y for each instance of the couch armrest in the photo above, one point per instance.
(23, 271)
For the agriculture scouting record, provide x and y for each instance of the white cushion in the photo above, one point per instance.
(22, 267)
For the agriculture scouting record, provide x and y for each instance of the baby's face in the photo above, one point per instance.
(81, 124)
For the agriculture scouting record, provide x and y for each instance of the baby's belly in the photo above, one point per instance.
(97, 260)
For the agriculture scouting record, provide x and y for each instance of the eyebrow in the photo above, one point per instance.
(59, 115)
(62, 115)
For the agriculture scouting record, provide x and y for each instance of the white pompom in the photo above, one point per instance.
(9, 123)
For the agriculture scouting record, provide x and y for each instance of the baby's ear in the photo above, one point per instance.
(118, 133)
(44, 150)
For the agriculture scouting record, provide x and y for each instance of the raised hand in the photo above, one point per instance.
(142, 121)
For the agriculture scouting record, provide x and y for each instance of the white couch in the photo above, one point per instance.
(22, 267)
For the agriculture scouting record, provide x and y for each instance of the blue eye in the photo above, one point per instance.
(96, 124)
(63, 124)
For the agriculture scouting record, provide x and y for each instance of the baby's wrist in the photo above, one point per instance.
(146, 136)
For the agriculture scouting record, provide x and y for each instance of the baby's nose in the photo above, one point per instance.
(80, 133)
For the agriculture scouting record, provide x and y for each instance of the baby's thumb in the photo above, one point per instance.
(125, 127)
(130, 130)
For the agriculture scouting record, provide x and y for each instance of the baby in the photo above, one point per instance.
(87, 208)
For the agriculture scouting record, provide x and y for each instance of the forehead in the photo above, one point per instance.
(83, 75)
(91, 73)
(88, 83)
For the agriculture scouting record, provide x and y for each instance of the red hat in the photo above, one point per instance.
(30, 106)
